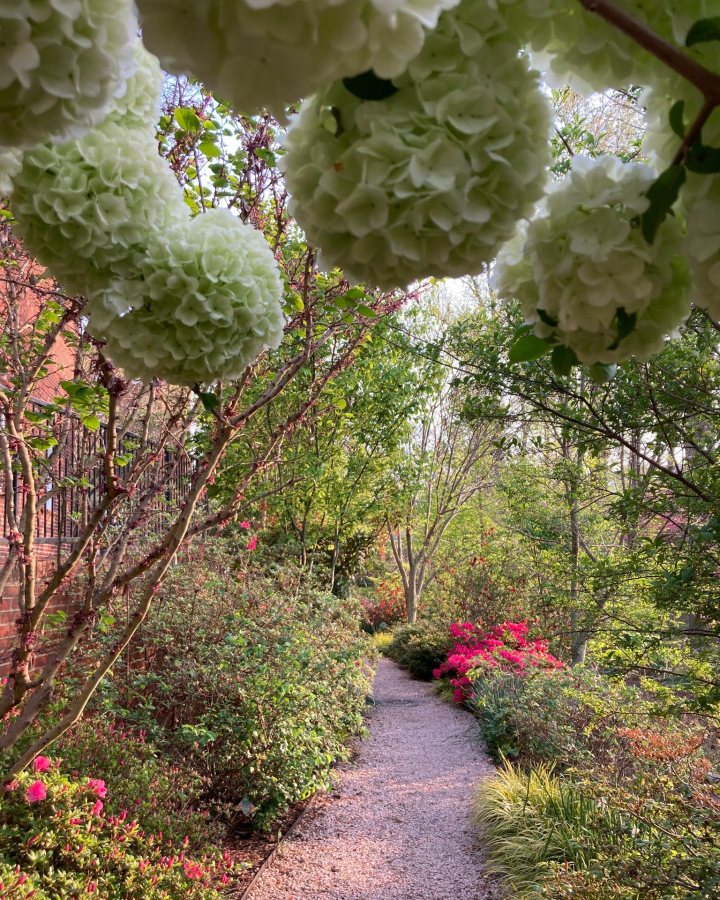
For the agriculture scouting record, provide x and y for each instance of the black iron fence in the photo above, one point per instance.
(75, 480)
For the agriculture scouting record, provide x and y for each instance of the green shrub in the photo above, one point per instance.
(58, 843)
(564, 717)
(255, 688)
(165, 796)
(420, 648)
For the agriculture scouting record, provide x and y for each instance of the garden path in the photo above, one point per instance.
(398, 824)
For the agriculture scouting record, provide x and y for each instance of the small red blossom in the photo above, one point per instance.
(252, 543)
(36, 792)
(41, 764)
(97, 808)
(98, 787)
(244, 524)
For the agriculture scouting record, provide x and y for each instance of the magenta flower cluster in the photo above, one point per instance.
(506, 647)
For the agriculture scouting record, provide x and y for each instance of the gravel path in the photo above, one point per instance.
(398, 825)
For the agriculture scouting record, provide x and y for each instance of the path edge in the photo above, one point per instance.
(269, 860)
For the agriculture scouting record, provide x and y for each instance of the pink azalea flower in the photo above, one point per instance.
(252, 543)
(97, 808)
(244, 524)
(97, 786)
(36, 792)
(41, 764)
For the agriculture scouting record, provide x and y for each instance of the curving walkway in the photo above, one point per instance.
(398, 825)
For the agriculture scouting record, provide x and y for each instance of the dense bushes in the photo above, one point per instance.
(238, 697)
(58, 840)
(420, 648)
(383, 608)
(254, 683)
(605, 799)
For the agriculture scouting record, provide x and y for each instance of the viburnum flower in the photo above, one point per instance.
(574, 46)
(10, 165)
(583, 272)
(201, 304)
(61, 64)
(41, 764)
(432, 179)
(88, 208)
(36, 792)
(699, 200)
(270, 53)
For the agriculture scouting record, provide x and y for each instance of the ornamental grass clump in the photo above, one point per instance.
(431, 179)
(584, 273)
(61, 65)
(270, 53)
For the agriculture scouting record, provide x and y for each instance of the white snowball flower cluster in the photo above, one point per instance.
(86, 209)
(584, 265)
(10, 165)
(175, 298)
(431, 180)
(573, 46)
(204, 301)
(270, 53)
(61, 63)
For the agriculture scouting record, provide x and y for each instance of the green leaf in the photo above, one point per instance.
(547, 319)
(703, 160)
(528, 348)
(662, 194)
(563, 359)
(369, 86)
(91, 422)
(702, 31)
(187, 119)
(624, 325)
(209, 400)
(677, 118)
(366, 311)
(602, 373)
(266, 156)
(209, 149)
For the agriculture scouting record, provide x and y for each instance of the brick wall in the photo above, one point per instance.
(46, 551)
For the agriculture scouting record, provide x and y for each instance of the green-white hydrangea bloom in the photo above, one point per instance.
(139, 104)
(10, 165)
(61, 63)
(87, 209)
(699, 200)
(203, 303)
(270, 53)
(431, 180)
(573, 46)
(582, 268)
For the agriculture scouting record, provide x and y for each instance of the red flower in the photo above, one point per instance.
(252, 543)
(97, 786)
(36, 792)
(41, 764)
